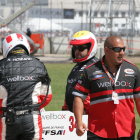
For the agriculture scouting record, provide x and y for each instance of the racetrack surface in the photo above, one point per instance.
(61, 58)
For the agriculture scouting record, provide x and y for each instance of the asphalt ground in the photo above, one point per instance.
(52, 58)
(61, 58)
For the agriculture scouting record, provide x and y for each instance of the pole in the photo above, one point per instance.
(82, 12)
(110, 16)
(51, 44)
(90, 13)
(62, 18)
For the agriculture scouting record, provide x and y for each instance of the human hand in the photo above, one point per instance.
(80, 129)
(138, 136)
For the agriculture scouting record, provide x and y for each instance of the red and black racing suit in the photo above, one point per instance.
(72, 80)
(23, 86)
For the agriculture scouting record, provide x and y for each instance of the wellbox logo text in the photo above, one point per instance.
(20, 78)
(54, 116)
(118, 83)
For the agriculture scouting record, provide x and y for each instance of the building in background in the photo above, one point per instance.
(100, 16)
(63, 17)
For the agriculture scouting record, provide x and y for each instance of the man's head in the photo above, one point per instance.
(114, 50)
(13, 41)
(84, 46)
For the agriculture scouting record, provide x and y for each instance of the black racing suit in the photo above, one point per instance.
(23, 86)
(72, 80)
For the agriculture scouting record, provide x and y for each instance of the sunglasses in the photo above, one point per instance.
(80, 47)
(117, 49)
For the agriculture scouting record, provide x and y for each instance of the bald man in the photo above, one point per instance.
(114, 87)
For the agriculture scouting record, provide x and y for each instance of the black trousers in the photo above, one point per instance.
(91, 136)
(21, 129)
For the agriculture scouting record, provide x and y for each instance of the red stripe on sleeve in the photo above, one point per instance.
(81, 88)
(137, 89)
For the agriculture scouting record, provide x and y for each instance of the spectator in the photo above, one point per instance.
(28, 33)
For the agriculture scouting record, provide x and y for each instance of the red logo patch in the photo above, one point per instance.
(19, 36)
(9, 39)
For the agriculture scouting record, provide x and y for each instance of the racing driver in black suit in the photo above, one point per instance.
(84, 48)
(24, 90)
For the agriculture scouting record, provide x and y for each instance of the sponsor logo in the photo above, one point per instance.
(80, 81)
(98, 76)
(129, 71)
(83, 68)
(97, 72)
(54, 116)
(129, 75)
(71, 81)
(118, 83)
(20, 78)
(54, 132)
(19, 59)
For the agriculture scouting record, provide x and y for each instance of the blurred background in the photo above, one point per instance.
(49, 24)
